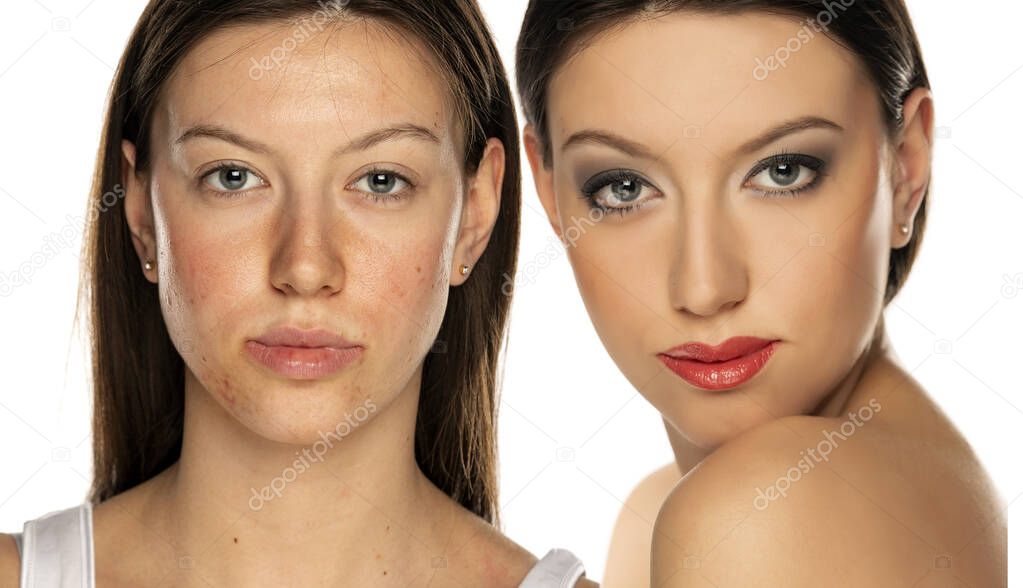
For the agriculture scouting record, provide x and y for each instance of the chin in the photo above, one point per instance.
(711, 419)
(304, 424)
(297, 413)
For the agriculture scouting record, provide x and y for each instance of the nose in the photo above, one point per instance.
(708, 272)
(306, 260)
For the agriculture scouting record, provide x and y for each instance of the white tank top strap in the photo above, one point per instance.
(560, 568)
(56, 550)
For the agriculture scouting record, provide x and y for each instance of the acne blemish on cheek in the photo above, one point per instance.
(397, 290)
(225, 390)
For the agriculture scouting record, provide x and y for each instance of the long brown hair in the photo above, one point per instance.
(139, 375)
(879, 32)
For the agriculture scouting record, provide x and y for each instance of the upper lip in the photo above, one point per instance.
(726, 350)
(294, 337)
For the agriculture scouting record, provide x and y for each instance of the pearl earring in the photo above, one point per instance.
(464, 269)
(149, 265)
(904, 229)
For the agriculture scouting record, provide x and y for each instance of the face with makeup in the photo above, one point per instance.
(708, 203)
(324, 193)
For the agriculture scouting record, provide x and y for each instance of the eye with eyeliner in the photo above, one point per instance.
(804, 165)
(798, 161)
(592, 188)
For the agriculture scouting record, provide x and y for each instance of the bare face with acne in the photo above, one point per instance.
(326, 193)
(697, 223)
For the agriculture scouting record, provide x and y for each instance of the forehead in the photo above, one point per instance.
(657, 76)
(343, 78)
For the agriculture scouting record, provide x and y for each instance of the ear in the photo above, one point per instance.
(479, 214)
(138, 211)
(543, 177)
(913, 154)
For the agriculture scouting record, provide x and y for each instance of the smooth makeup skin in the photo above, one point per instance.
(705, 235)
(301, 230)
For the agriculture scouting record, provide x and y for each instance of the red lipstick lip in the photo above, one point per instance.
(302, 354)
(720, 367)
(728, 349)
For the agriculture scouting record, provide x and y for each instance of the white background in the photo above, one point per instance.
(574, 435)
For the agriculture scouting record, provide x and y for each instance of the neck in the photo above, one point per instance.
(236, 501)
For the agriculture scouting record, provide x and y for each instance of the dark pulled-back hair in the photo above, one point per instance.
(878, 32)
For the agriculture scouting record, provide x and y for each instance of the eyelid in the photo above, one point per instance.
(809, 161)
(602, 180)
(411, 177)
(816, 165)
(380, 170)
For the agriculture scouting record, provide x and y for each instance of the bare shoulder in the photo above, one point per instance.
(644, 501)
(654, 487)
(477, 553)
(482, 555)
(803, 497)
(628, 556)
(10, 562)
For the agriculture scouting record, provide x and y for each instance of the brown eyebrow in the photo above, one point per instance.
(360, 143)
(787, 128)
(635, 149)
(610, 139)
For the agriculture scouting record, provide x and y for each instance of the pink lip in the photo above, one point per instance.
(721, 367)
(303, 355)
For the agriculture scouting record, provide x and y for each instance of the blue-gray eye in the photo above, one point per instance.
(617, 190)
(381, 182)
(626, 190)
(230, 178)
(786, 173)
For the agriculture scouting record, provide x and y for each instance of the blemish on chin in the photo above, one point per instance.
(225, 391)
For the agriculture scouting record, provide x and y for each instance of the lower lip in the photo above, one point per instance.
(720, 375)
(302, 363)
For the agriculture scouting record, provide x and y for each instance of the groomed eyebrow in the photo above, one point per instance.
(634, 149)
(360, 143)
(598, 137)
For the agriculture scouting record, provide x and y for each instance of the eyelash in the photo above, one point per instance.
(818, 166)
(217, 169)
(368, 195)
(386, 197)
(604, 179)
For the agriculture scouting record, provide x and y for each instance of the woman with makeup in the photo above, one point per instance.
(304, 211)
(748, 179)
